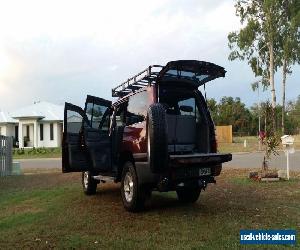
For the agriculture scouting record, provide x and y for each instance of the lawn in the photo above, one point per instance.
(31, 153)
(252, 144)
(49, 210)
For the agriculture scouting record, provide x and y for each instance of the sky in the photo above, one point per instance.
(62, 50)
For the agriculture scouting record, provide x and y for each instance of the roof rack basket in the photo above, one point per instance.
(145, 78)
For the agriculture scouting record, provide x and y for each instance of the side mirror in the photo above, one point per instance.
(185, 108)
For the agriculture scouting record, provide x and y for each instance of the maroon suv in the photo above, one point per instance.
(158, 135)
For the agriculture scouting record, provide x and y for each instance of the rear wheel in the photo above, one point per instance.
(133, 196)
(89, 184)
(188, 195)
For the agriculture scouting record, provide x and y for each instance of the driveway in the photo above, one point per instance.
(239, 160)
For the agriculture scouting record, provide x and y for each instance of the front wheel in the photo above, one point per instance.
(133, 196)
(188, 195)
(89, 184)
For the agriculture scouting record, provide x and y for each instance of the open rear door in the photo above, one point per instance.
(74, 157)
(97, 137)
(190, 73)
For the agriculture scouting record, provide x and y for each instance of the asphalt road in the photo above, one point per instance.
(254, 160)
(40, 163)
(239, 160)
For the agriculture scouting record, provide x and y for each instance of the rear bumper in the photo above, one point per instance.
(193, 172)
(183, 168)
(209, 159)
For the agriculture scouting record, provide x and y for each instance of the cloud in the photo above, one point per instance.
(62, 50)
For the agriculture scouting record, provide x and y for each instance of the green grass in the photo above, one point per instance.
(50, 211)
(252, 144)
(31, 153)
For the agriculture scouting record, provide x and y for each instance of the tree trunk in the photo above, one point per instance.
(284, 72)
(272, 84)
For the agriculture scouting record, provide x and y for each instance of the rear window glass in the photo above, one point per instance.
(186, 75)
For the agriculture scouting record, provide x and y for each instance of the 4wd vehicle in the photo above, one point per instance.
(158, 135)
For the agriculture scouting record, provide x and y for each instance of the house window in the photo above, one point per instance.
(27, 131)
(41, 132)
(51, 132)
(17, 133)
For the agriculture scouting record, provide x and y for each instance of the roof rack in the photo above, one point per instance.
(142, 79)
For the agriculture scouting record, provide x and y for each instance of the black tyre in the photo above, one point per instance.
(188, 195)
(88, 183)
(157, 140)
(133, 196)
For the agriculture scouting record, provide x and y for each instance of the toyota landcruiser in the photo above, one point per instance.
(157, 135)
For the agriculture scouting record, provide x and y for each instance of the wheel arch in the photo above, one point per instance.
(124, 157)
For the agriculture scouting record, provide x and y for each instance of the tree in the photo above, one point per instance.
(289, 43)
(257, 41)
(213, 108)
(293, 116)
(231, 111)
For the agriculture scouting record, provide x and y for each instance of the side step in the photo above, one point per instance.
(103, 178)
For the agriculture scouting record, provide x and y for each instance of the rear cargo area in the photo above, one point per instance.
(188, 126)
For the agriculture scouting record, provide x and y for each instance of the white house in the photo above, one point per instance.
(8, 125)
(37, 125)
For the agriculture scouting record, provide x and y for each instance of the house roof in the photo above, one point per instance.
(5, 117)
(40, 110)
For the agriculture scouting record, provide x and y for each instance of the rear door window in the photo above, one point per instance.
(98, 112)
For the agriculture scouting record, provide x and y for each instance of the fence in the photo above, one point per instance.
(224, 133)
(6, 145)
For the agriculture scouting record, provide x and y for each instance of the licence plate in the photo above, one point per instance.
(204, 171)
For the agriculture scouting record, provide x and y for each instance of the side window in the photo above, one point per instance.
(98, 116)
(188, 107)
(74, 122)
(89, 111)
(121, 115)
(137, 108)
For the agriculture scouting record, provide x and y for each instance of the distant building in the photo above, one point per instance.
(8, 125)
(37, 125)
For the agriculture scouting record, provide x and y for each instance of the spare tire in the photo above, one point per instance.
(157, 139)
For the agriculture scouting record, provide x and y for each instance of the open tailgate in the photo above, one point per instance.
(190, 72)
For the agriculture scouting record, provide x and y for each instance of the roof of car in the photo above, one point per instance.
(143, 79)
